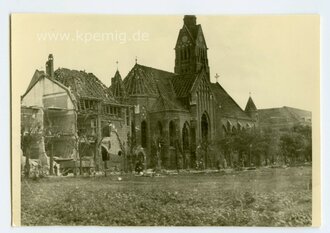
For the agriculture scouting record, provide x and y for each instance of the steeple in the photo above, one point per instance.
(251, 108)
(117, 87)
(191, 48)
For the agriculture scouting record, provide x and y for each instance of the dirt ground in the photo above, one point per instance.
(262, 197)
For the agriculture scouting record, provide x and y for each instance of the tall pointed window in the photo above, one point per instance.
(144, 136)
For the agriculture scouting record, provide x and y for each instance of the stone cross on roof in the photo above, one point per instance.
(216, 77)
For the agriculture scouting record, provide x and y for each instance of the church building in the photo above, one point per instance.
(178, 114)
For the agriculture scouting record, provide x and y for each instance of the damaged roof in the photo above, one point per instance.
(84, 85)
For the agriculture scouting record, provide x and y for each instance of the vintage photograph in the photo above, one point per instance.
(182, 120)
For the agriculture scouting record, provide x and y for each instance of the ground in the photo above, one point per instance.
(262, 197)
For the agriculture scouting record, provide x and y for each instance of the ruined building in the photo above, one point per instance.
(78, 114)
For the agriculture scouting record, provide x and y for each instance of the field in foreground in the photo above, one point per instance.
(265, 197)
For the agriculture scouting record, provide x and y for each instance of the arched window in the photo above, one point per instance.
(144, 136)
(228, 127)
(185, 136)
(172, 133)
(238, 126)
(160, 128)
(133, 133)
(224, 130)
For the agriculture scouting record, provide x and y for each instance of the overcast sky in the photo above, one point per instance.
(276, 58)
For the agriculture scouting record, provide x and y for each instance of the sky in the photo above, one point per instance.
(275, 58)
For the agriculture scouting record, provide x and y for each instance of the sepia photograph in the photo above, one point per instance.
(165, 120)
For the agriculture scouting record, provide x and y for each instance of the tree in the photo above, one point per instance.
(252, 143)
(226, 145)
(295, 143)
(30, 134)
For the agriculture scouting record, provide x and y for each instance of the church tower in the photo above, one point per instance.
(191, 49)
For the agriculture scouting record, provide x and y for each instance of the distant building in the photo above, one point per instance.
(283, 118)
(276, 122)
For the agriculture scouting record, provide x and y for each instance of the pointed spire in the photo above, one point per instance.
(117, 64)
(136, 59)
(250, 106)
(117, 86)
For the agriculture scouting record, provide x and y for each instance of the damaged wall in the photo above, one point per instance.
(56, 116)
(60, 127)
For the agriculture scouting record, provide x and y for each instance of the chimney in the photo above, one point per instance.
(50, 66)
(189, 20)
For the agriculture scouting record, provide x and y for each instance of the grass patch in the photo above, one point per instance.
(265, 197)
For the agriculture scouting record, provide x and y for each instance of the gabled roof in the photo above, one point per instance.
(35, 78)
(148, 81)
(117, 87)
(227, 104)
(38, 75)
(250, 106)
(84, 85)
(183, 84)
(142, 80)
(193, 30)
